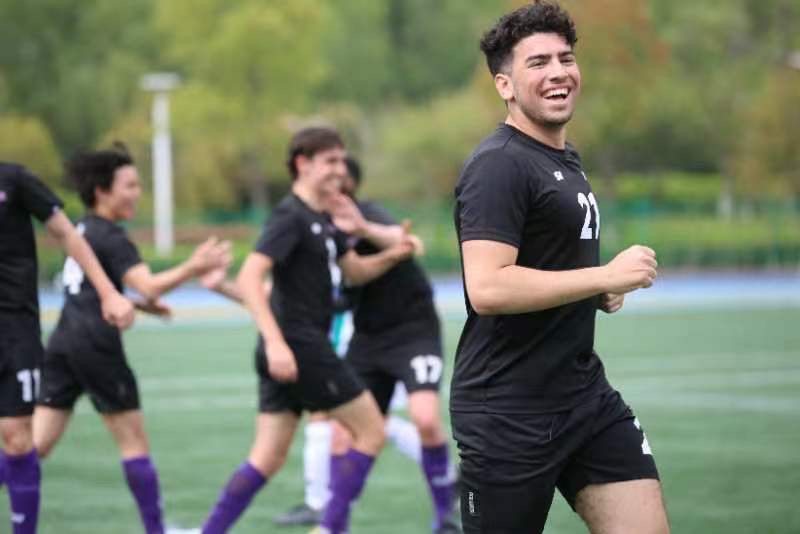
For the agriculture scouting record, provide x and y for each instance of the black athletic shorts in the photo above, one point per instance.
(21, 355)
(324, 381)
(410, 354)
(72, 369)
(512, 463)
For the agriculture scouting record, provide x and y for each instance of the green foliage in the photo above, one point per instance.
(27, 141)
(696, 98)
(75, 64)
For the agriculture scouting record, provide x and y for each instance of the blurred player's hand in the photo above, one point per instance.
(280, 362)
(209, 255)
(118, 311)
(404, 248)
(346, 215)
(611, 302)
(631, 269)
(154, 307)
(214, 278)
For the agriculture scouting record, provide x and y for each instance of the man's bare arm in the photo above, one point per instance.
(497, 286)
(116, 309)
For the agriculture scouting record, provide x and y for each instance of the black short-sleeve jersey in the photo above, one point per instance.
(518, 191)
(400, 296)
(305, 247)
(21, 195)
(81, 319)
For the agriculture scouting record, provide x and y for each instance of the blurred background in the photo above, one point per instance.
(688, 126)
(688, 123)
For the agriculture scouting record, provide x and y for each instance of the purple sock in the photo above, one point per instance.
(143, 482)
(435, 464)
(23, 477)
(2, 468)
(348, 474)
(235, 497)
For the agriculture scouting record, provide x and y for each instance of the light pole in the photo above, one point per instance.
(160, 84)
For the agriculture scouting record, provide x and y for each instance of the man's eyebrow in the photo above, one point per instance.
(536, 57)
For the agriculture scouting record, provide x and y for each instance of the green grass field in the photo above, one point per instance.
(718, 393)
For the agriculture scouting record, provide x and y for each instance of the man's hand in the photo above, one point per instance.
(209, 255)
(118, 311)
(281, 362)
(346, 215)
(406, 247)
(154, 307)
(631, 269)
(214, 278)
(611, 302)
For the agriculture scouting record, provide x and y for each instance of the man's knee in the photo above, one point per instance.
(17, 435)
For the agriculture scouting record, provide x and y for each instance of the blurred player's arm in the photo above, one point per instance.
(280, 358)
(117, 310)
(153, 307)
(209, 255)
(218, 282)
(497, 286)
(349, 219)
(359, 270)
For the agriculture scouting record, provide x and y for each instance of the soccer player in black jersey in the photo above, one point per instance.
(23, 195)
(397, 338)
(297, 367)
(84, 354)
(531, 407)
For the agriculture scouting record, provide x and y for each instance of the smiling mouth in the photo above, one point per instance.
(557, 94)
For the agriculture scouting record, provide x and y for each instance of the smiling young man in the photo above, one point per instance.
(531, 407)
(297, 367)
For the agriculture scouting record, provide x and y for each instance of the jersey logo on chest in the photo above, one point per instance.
(559, 175)
(316, 228)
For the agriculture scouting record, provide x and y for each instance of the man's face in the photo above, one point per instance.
(543, 80)
(324, 171)
(123, 195)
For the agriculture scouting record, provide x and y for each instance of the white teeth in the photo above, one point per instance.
(557, 92)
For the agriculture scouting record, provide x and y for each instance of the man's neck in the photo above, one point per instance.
(103, 212)
(307, 195)
(555, 137)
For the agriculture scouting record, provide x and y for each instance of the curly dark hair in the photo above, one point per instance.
(541, 16)
(91, 169)
(308, 142)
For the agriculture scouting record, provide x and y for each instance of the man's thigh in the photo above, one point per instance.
(630, 507)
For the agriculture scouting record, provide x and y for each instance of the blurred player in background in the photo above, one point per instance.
(396, 328)
(298, 370)
(84, 354)
(531, 407)
(23, 195)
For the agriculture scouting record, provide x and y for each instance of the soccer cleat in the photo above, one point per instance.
(450, 525)
(302, 514)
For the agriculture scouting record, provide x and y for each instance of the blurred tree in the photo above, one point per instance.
(403, 50)
(246, 63)
(25, 140)
(75, 64)
(767, 160)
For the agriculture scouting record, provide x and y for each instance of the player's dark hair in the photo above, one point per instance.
(353, 169)
(541, 16)
(308, 142)
(91, 169)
